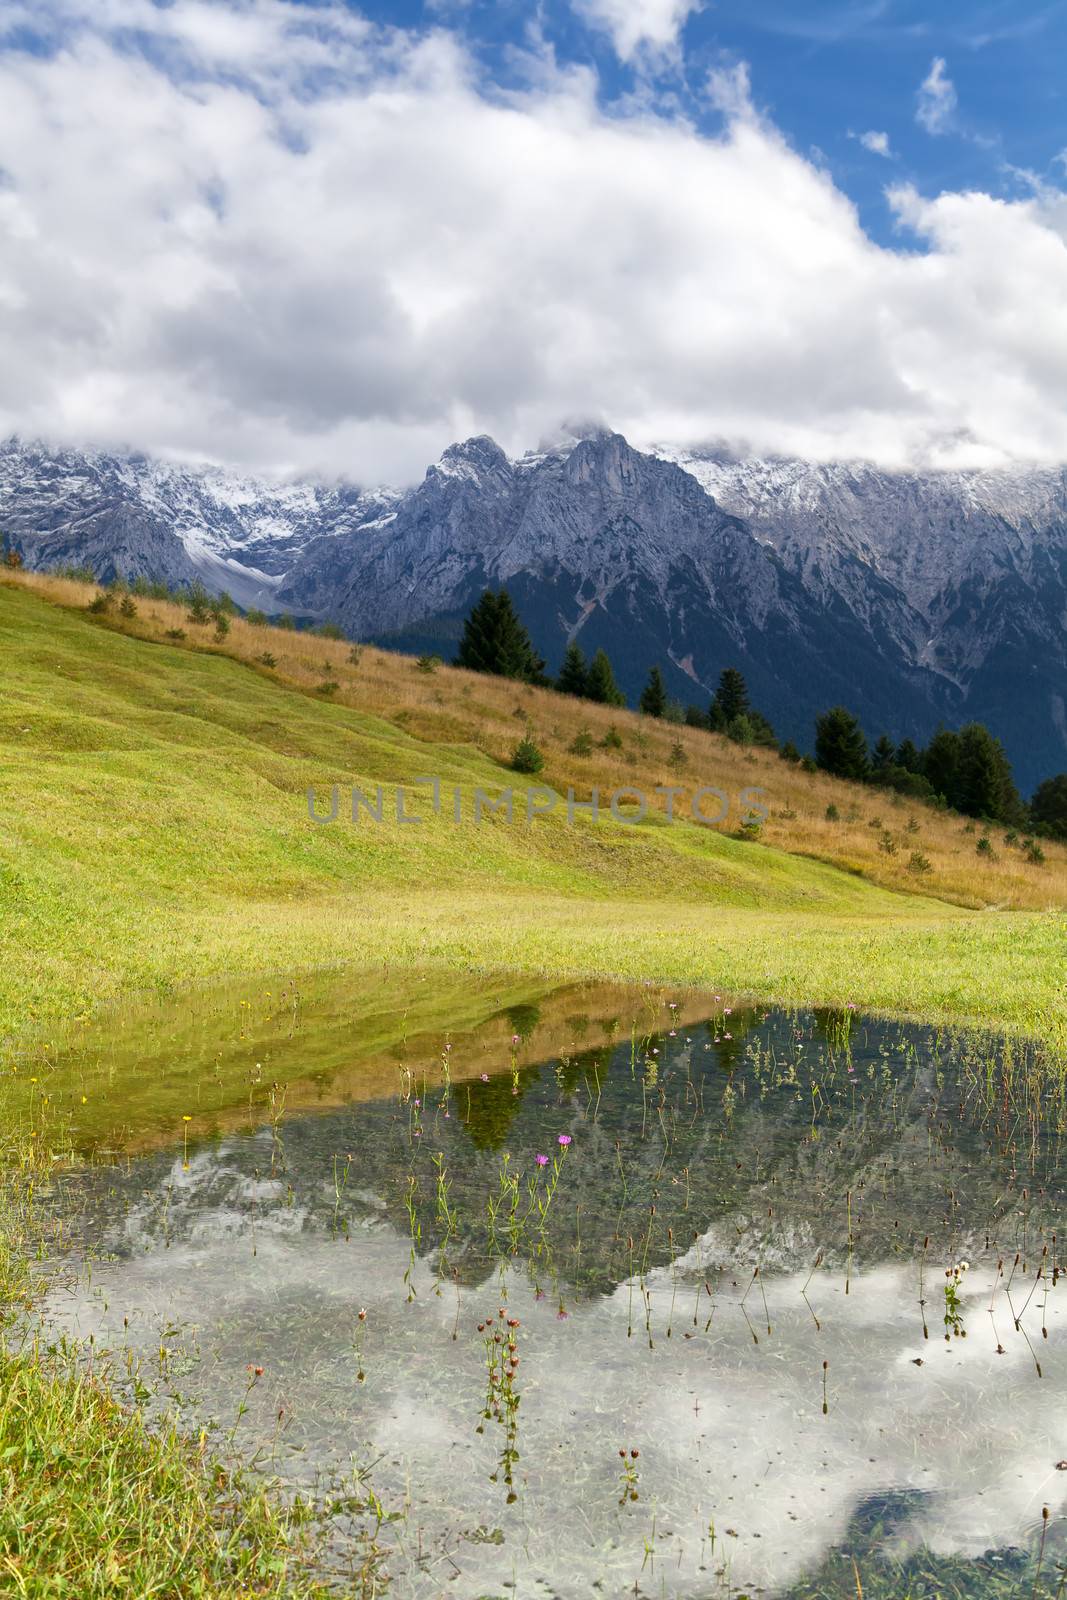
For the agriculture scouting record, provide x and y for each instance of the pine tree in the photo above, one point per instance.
(940, 764)
(574, 673)
(985, 786)
(909, 757)
(884, 755)
(840, 747)
(1048, 809)
(731, 699)
(494, 640)
(601, 685)
(653, 700)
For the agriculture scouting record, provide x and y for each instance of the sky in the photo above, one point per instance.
(312, 238)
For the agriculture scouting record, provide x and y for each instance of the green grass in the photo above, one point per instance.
(93, 1504)
(154, 832)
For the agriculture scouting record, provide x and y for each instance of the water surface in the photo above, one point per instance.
(713, 1236)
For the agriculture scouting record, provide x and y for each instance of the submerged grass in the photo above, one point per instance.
(97, 1503)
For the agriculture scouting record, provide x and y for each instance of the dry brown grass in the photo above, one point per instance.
(453, 706)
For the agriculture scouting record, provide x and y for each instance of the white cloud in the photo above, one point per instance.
(937, 99)
(199, 255)
(654, 25)
(876, 143)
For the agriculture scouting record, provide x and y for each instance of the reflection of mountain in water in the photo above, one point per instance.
(747, 1140)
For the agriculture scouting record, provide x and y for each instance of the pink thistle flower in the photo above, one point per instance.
(542, 1161)
(564, 1139)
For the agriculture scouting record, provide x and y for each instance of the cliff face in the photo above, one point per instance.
(910, 597)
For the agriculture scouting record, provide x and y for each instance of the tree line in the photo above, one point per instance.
(966, 770)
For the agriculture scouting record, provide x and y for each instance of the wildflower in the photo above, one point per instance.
(542, 1161)
(564, 1139)
(362, 1313)
(485, 1077)
(514, 1038)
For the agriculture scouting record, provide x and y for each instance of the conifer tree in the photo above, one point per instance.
(840, 747)
(884, 755)
(574, 673)
(494, 640)
(1048, 809)
(730, 701)
(654, 695)
(601, 685)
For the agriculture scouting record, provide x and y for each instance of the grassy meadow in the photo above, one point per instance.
(156, 832)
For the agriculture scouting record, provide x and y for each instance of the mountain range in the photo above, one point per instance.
(913, 598)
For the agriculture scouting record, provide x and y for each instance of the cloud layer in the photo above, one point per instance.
(275, 236)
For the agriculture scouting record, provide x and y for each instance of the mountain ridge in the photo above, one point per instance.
(913, 597)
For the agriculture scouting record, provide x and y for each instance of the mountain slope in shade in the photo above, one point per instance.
(911, 598)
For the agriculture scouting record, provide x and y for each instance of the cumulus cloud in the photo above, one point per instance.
(937, 99)
(274, 235)
(635, 24)
(876, 143)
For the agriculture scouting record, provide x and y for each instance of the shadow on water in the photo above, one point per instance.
(607, 1291)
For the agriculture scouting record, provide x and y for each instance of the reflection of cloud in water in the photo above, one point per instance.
(731, 1430)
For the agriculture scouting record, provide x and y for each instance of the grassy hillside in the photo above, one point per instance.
(154, 829)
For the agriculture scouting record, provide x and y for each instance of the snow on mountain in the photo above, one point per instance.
(913, 598)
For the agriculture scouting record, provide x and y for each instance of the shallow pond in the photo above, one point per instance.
(598, 1292)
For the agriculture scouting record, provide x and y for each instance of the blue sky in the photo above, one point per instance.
(828, 73)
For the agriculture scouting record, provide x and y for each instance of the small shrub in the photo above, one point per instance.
(912, 825)
(266, 659)
(329, 630)
(875, 822)
(128, 608)
(612, 740)
(832, 813)
(984, 846)
(887, 844)
(327, 686)
(968, 827)
(581, 744)
(1034, 853)
(257, 619)
(429, 664)
(678, 755)
(175, 633)
(285, 621)
(222, 627)
(919, 864)
(787, 814)
(100, 604)
(526, 757)
(808, 764)
(1011, 838)
(13, 560)
(355, 655)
